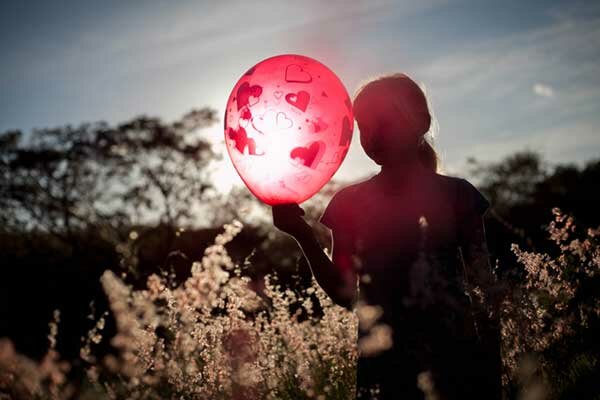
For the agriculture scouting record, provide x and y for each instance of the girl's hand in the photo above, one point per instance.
(288, 218)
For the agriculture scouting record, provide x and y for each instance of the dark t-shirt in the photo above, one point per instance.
(407, 237)
(407, 240)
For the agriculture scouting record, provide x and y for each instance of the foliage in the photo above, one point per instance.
(523, 189)
(216, 336)
(213, 337)
(511, 180)
(70, 179)
(555, 314)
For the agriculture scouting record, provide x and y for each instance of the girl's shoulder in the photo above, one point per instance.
(342, 204)
(353, 190)
(450, 180)
(467, 197)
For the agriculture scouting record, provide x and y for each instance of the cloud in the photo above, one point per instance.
(543, 90)
(483, 93)
(563, 51)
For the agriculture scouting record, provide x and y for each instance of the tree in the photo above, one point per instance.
(103, 178)
(523, 189)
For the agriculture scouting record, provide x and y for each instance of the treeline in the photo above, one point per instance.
(523, 189)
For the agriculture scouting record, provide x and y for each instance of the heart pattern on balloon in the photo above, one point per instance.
(283, 122)
(295, 73)
(299, 100)
(288, 126)
(270, 120)
(248, 95)
(318, 125)
(309, 156)
(242, 141)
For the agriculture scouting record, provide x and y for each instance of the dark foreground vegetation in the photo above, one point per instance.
(137, 199)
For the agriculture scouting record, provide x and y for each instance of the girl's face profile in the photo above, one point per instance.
(384, 134)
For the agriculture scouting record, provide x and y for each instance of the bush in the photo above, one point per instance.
(218, 336)
(212, 337)
(555, 315)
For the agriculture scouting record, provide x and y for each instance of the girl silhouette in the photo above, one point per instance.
(413, 242)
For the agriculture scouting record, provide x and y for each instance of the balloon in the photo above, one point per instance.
(288, 127)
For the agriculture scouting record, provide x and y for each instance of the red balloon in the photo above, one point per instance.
(288, 127)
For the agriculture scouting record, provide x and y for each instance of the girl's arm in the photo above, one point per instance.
(337, 277)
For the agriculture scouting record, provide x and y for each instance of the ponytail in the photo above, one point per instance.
(426, 152)
(427, 155)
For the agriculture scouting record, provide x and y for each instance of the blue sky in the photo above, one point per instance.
(502, 76)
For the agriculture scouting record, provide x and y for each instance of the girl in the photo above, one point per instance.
(413, 242)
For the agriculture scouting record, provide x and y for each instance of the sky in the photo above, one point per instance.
(501, 76)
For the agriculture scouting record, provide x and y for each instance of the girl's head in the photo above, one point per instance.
(393, 118)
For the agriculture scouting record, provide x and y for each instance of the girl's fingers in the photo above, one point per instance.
(290, 209)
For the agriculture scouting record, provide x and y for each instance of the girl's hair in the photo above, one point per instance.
(412, 106)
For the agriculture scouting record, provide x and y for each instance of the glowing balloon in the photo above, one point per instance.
(288, 126)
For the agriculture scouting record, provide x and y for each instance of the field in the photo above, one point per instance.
(213, 337)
